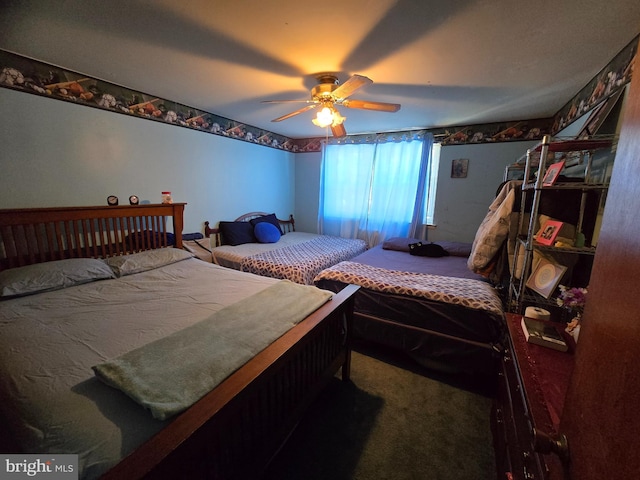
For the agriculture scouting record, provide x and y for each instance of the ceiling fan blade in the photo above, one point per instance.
(338, 130)
(287, 101)
(347, 88)
(366, 105)
(297, 112)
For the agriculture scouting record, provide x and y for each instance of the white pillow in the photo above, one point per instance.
(40, 277)
(147, 260)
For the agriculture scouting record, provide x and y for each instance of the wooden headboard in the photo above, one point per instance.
(286, 226)
(35, 235)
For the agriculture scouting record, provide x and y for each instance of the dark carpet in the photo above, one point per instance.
(393, 421)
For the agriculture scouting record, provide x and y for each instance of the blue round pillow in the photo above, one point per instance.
(266, 232)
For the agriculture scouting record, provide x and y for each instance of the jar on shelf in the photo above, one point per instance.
(166, 197)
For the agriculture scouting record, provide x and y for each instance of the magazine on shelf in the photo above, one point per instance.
(541, 333)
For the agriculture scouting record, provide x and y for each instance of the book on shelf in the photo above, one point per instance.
(542, 333)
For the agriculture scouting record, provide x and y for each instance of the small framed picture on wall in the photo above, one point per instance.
(459, 167)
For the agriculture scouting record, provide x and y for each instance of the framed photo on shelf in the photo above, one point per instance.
(552, 173)
(545, 277)
(549, 232)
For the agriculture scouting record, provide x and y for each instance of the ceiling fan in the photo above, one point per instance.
(328, 94)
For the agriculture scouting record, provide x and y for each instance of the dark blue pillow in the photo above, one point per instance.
(271, 218)
(192, 236)
(266, 232)
(236, 233)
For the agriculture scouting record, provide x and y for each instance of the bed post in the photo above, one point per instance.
(178, 222)
(348, 323)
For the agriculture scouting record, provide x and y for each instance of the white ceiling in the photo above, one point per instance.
(459, 62)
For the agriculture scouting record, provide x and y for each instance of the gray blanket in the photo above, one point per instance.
(171, 374)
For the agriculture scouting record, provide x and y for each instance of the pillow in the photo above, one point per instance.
(266, 232)
(457, 249)
(148, 260)
(54, 275)
(236, 233)
(427, 250)
(192, 236)
(400, 244)
(271, 218)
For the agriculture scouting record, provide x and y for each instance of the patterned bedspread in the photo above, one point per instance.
(302, 262)
(465, 292)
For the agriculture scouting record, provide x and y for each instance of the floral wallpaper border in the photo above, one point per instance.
(32, 76)
(494, 132)
(607, 82)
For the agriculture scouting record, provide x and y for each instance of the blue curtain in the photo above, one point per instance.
(374, 187)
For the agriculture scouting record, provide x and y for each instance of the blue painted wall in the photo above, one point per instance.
(59, 154)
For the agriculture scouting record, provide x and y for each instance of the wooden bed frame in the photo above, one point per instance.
(35, 235)
(286, 226)
(236, 429)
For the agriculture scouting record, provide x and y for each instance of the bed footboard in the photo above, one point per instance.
(235, 430)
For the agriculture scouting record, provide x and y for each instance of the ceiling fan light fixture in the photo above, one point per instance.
(337, 118)
(328, 117)
(328, 94)
(324, 118)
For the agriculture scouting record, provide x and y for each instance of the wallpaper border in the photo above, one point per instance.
(611, 79)
(28, 75)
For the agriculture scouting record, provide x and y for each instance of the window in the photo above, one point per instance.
(434, 165)
(376, 189)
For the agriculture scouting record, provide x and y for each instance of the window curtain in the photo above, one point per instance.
(374, 187)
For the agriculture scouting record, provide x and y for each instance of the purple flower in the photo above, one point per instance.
(572, 298)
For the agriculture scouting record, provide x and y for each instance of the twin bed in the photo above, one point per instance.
(433, 308)
(104, 325)
(296, 256)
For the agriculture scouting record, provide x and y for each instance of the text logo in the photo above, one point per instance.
(50, 467)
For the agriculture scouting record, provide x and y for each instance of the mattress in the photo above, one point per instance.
(450, 266)
(50, 341)
(232, 256)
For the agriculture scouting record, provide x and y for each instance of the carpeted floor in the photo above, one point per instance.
(394, 421)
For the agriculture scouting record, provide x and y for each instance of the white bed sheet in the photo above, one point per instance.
(232, 256)
(49, 341)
